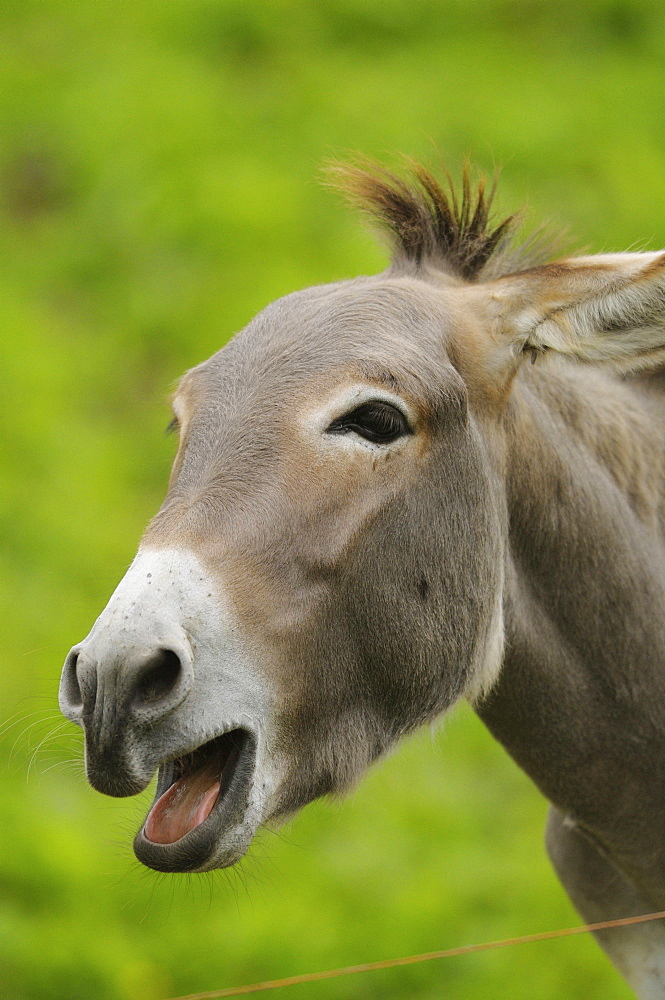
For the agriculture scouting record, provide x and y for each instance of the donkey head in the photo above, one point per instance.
(326, 571)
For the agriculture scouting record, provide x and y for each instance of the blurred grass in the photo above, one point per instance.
(158, 185)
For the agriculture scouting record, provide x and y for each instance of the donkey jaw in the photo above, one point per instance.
(201, 817)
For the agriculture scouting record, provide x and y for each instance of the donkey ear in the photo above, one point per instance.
(608, 310)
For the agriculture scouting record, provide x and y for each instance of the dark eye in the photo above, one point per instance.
(375, 421)
(173, 427)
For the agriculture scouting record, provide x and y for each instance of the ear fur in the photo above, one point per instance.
(608, 309)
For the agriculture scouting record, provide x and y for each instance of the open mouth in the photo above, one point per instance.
(199, 797)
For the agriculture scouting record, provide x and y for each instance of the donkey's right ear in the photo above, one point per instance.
(607, 310)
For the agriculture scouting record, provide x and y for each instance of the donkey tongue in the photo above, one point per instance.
(182, 807)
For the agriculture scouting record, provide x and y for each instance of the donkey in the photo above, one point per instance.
(379, 506)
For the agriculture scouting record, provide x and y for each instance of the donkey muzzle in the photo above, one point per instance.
(115, 693)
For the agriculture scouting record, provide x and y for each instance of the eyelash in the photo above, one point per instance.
(376, 421)
(173, 427)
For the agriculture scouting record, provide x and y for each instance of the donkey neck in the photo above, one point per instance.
(582, 694)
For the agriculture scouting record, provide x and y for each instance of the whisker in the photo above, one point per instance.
(48, 738)
(74, 765)
(19, 717)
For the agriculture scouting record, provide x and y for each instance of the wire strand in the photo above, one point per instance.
(390, 963)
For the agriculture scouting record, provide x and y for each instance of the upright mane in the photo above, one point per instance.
(430, 224)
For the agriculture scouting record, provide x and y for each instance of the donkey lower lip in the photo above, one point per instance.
(200, 797)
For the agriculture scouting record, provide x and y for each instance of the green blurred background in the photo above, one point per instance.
(159, 185)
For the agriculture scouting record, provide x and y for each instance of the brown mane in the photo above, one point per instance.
(430, 224)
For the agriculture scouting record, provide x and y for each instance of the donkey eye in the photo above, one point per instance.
(376, 421)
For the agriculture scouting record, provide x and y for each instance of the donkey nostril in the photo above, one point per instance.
(159, 677)
(71, 687)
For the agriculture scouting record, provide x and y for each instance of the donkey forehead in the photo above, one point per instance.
(389, 331)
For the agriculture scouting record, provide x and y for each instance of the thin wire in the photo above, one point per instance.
(389, 963)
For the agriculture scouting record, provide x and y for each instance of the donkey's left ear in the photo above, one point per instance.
(608, 310)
